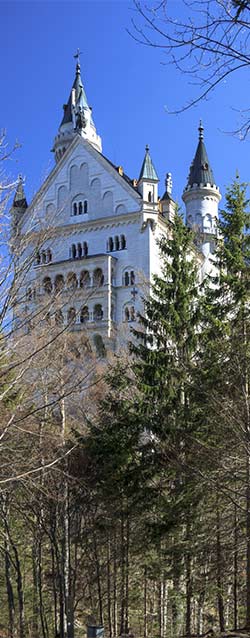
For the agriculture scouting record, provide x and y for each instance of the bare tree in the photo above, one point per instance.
(208, 40)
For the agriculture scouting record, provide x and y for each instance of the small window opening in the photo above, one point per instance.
(85, 249)
(123, 242)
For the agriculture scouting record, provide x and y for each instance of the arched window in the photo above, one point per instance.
(126, 278)
(80, 208)
(132, 313)
(49, 255)
(72, 281)
(150, 196)
(75, 208)
(59, 283)
(73, 251)
(123, 242)
(43, 257)
(79, 251)
(84, 314)
(98, 312)
(126, 314)
(98, 277)
(85, 207)
(71, 315)
(59, 318)
(84, 279)
(110, 245)
(117, 243)
(132, 277)
(85, 249)
(47, 285)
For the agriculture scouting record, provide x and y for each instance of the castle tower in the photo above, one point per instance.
(201, 196)
(167, 204)
(148, 182)
(77, 118)
(19, 205)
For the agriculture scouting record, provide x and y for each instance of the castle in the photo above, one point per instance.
(101, 248)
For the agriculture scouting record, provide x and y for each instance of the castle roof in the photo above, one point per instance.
(80, 97)
(148, 170)
(200, 169)
(19, 200)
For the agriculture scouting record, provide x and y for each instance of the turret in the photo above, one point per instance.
(167, 204)
(19, 205)
(77, 118)
(148, 181)
(201, 196)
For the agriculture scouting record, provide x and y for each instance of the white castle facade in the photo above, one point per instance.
(101, 251)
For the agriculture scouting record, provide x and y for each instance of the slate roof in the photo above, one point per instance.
(81, 99)
(148, 170)
(19, 200)
(200, 169)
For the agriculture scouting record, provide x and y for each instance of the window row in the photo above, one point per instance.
(82, 316)
(79, 250)
(71, 282)
(80, 207)
(116, 243)
(43, 256)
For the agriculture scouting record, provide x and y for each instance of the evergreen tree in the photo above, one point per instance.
(222, 386)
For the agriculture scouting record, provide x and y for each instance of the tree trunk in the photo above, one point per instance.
(145, 605)
(10, 596)
(219, 569)
(109, 602)
(188, 581)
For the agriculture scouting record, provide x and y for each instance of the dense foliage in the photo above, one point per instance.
(143, 522)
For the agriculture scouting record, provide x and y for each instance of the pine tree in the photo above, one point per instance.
(222, 385)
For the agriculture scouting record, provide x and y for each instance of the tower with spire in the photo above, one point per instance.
(19, 206)
(202, 196)
(148, 181)
(77, 118)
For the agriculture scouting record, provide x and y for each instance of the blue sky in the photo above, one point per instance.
(128, 86)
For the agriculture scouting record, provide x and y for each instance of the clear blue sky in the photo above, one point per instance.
(127, 85)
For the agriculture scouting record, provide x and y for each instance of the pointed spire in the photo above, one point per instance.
(200, 169)
(77, 118)
(77, 96)
(19, 200)
(148, 171)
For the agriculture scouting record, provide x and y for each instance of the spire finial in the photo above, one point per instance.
(201, 129)
(169, 183)
(77, 57)
(147, 148)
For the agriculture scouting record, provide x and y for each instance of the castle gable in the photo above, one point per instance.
(84, 186)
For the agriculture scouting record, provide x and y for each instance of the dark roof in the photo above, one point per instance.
(81, 99)
(200, 169)
(167, 196)
(148, 170)
(19, 200)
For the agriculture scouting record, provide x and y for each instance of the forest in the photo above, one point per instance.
(125, 477)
